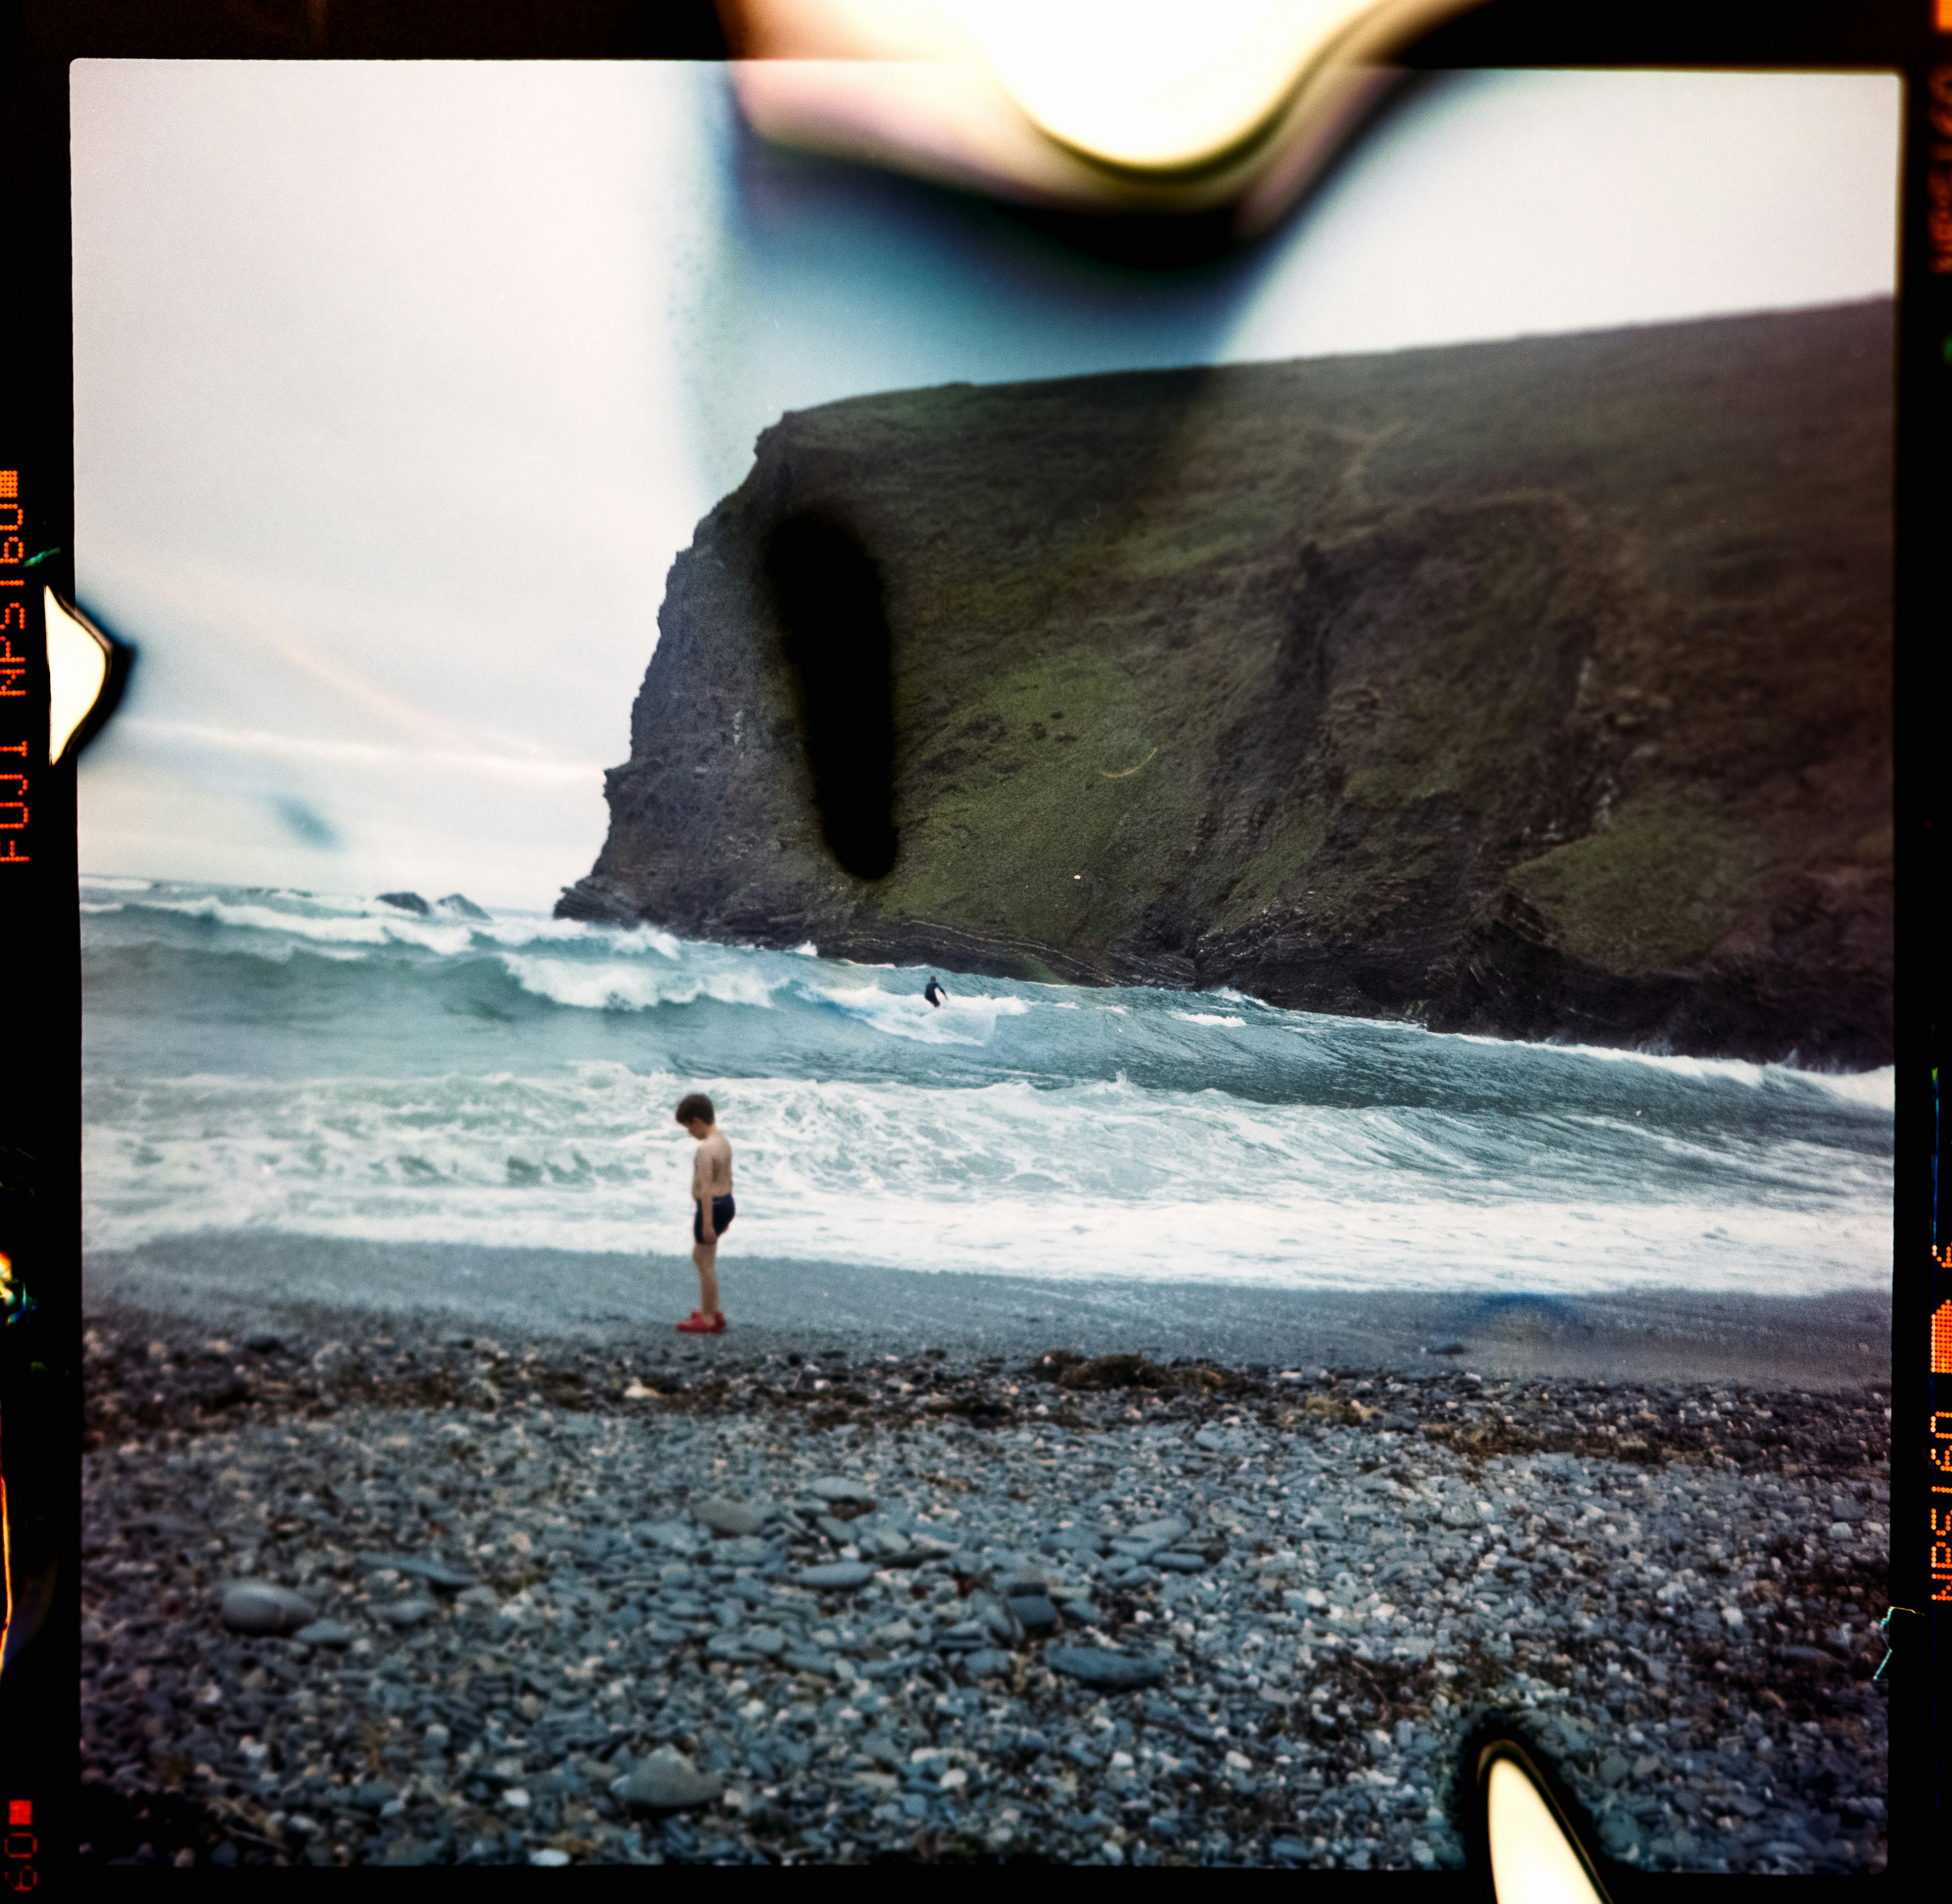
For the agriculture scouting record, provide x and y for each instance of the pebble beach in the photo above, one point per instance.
(364, 1589)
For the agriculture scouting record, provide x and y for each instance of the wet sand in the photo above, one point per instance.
(238, 1280)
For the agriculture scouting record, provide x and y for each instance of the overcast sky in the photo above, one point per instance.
(398, 386)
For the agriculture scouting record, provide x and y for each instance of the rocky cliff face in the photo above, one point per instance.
(1538, 688)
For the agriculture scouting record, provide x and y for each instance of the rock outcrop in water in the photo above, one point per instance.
(1537, 688)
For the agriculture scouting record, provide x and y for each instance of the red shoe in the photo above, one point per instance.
(701, 1324)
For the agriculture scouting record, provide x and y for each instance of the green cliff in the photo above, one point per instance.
(1538, 688)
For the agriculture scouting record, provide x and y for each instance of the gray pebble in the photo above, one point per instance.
(258, 1606)
(678, 1536)
(434, 1572)
(669, 1781)
(326, 1633)
(837, 1574)
(729, 1517)
(1096, 1666)
(1033, 1611)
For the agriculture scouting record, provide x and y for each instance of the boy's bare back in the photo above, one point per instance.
(711, 1168)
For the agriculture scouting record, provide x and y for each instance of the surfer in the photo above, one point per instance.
(934, 992)
(712, 1209)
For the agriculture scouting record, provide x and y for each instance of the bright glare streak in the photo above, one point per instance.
(77, 666)
(1155, 85)
(1532, 1861)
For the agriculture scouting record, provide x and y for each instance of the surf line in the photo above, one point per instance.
(1129, 772)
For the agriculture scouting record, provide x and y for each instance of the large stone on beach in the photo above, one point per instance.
(1217, 1440)
(1034, 1612)
(838, 1574)
(326, 1633)
(1161, 1533)
(903, 1558)
(257, 1606)
(667, 1781)
(675, 1536)
(434, 1572)
(838, 1488)
(729, 1517)
(1084, 1541)
(1106, 1671)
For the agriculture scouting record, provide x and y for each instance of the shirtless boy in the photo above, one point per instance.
(712, 1209)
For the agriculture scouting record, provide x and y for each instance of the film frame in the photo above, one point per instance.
(1910, 40)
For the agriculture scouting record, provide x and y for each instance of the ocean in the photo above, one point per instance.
(278, 1062)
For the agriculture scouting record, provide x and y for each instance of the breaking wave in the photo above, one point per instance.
(282, 1062)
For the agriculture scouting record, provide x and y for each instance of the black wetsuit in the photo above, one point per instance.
(934, 992)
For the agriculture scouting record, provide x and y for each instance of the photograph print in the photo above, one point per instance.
(905, 1040)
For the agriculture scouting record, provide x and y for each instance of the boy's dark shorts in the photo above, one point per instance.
(723, 1211)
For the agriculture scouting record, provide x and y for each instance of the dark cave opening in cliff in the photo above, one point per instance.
(828, 596)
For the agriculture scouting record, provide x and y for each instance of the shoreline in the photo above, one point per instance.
(246, 1280)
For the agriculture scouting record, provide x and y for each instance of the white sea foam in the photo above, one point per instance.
(1211, 1017)
(1877, 1089)
(363, 928)
(1100, 1179)
(331, 919)
(621, 940)
(114, 882)
(625, 986)
(963, 1018)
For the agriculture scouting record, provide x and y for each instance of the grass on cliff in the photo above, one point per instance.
(1658, 886)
